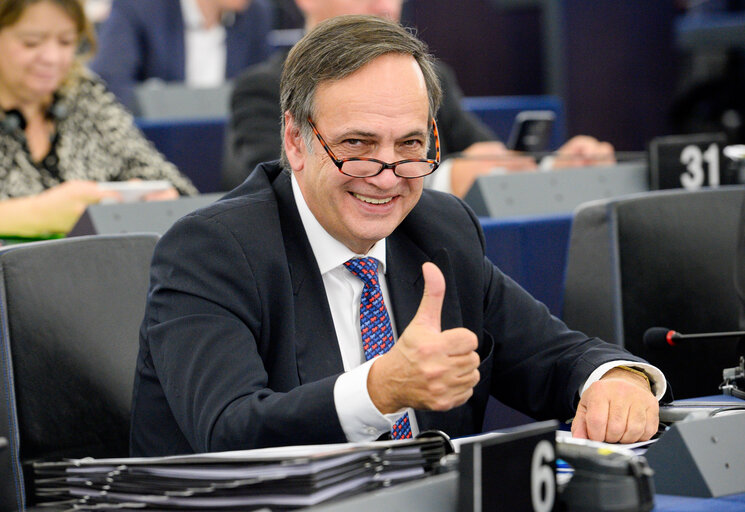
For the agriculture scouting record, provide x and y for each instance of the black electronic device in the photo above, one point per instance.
(605, 480)
(531, 131)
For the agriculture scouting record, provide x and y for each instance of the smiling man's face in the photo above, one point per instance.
(380, 111)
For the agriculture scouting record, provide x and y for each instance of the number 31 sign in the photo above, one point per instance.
(689, 161)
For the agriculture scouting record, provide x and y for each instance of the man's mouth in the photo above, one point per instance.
(372, 200)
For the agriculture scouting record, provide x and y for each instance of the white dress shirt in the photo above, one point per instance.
(205, 52)
(359, 418)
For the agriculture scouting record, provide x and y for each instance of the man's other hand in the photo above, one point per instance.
(427, 368)
(618, 408)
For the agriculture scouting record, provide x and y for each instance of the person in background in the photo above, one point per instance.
(97, 10)
(60, 129)
(252, 135)
(331, 298)
(199, 42)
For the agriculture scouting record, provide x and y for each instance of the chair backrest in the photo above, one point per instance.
(663, 258)
(70, 311)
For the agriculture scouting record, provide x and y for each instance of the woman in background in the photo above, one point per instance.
(60, 129)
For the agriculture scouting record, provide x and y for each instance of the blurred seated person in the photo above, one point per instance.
(60, 129)
(199, 42)
(253, 136)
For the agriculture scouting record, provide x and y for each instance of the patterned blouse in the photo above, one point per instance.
(96, 139)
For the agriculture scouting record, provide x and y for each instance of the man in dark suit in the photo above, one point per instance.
(330, 299)
(145, 40)
(252, 135)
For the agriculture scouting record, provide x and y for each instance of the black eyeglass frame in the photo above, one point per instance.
(339, 162)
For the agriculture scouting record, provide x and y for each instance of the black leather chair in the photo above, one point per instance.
(663, 258)
(70, 311)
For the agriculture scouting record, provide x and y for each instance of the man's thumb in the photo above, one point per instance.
(430, 308)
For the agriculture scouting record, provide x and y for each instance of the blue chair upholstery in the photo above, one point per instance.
(499, 112)
(532, 251)
(195, 146)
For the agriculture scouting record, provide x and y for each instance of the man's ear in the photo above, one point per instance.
(294, 144)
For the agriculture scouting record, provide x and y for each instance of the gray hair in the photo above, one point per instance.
(335, 49)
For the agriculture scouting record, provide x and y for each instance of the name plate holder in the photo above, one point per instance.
(690, 162)
(513, 469)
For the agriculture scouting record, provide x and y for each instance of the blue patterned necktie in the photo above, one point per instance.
(375, 324)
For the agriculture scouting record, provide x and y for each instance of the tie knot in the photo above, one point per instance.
(364, 268)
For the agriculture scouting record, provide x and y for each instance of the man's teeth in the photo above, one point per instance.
(372, 200)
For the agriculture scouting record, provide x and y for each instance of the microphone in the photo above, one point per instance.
(661, 337)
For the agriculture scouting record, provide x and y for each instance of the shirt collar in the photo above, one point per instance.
(329, 252)
(193, 18)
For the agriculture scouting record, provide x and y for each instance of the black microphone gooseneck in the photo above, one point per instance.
(661, 337)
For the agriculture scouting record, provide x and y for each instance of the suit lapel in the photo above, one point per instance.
(406, 285)
(316, 346)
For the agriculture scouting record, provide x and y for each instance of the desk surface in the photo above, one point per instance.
(439, 494)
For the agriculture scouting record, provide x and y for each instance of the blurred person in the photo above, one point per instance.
(199, 42)
(253, 138)
(60, 129)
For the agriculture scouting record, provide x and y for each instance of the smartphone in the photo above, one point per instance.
(531, 131)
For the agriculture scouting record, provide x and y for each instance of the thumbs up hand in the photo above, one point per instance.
(427, 368)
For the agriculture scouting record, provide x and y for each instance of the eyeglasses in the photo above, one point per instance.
(363, 167)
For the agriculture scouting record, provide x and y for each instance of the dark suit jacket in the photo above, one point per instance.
(238, 349)
(145, 39)
(253, 134)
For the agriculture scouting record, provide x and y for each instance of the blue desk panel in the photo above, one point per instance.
(533, 252)
(666, 503)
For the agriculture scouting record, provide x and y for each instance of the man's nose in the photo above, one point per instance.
(386, 179)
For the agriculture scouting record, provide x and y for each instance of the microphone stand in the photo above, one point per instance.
(733, 379)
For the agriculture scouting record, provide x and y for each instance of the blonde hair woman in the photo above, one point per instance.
(61, 131)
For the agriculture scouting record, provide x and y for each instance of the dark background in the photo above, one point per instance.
(619, 66)
(620, 62)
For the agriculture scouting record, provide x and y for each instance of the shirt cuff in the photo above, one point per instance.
(656, 377)
(358, 416)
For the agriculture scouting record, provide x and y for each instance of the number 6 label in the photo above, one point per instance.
(542, 477)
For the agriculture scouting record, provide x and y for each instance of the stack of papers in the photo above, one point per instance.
(278, 478)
